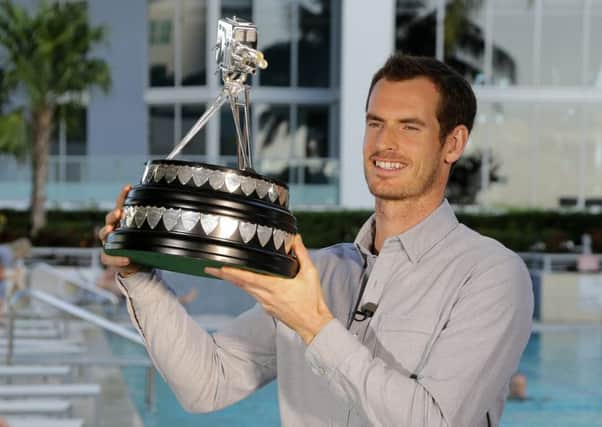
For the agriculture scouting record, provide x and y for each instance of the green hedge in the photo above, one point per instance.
(519, 230)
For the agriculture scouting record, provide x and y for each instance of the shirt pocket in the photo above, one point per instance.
(402, 340)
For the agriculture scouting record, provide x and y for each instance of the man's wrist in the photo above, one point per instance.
(314, 328)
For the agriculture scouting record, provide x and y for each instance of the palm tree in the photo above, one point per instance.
(47, 61)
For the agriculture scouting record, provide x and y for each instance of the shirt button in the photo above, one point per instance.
(323, 371)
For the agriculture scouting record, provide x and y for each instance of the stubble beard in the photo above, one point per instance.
(405, 191)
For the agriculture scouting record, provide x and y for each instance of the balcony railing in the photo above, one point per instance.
(94, 181)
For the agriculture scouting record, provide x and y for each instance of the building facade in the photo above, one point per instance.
(534, 64)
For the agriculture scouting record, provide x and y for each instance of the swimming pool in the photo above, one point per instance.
(563, 366)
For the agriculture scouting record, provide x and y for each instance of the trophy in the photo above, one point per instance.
(184, 216)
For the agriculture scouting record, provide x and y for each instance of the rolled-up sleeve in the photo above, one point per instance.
(464, 372)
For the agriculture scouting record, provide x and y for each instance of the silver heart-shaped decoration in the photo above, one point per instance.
(149, 173)
(123, 220)
(262, 188)
(153, 216)
(190, 219)
(227, 226)
(217, 179)
(288, 242)
(247, 185)
(247, 231)
(170, 218)
(139, 216)
(200, 176)
(209, 223)
(282, 194)
(184, 174)
(159, 173)
(171, 172)
(264, 234)
(279, 236)
(272, 193)
(232, 182)
(129, 216)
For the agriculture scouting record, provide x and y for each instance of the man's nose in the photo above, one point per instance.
(386, 139)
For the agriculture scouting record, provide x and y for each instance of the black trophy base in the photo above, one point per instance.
(182, 255)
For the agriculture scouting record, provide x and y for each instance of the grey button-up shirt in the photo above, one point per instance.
(453, 317)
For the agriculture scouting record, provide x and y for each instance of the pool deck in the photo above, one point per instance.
(96, 365)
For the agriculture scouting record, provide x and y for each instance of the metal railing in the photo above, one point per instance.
(548, 262)
(69, 310)
(93, 182)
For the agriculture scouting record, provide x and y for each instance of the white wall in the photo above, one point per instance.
(366, 42)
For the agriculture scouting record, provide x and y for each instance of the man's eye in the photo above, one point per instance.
(410, 127)
(374, 125)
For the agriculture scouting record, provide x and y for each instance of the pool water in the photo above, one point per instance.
(564, 371)
(563, 367)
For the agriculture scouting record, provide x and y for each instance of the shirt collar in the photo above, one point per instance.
(419, 239)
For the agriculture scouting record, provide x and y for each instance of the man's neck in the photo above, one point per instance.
(393, 217)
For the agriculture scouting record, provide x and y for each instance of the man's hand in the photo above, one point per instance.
(297, 302)
(120, 264)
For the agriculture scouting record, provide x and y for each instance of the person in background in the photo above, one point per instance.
(11, 264)
(518, 387)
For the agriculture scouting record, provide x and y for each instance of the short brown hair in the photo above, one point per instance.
(458, 104)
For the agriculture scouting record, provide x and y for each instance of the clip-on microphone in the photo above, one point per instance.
(367, 310)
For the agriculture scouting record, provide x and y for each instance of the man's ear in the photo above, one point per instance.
(455, 143)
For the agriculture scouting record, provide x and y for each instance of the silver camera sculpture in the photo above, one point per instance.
(237, 58)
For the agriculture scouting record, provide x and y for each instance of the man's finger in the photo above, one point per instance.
(302, 253)
(104, 232)
(114, 216)
(114, 261)
(122, 196)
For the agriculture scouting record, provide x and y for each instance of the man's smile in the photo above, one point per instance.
(388, 164)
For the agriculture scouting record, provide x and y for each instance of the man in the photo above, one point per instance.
(420, 322)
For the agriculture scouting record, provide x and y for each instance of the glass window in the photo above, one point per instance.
(562, 44)
(161, 132)
(314, 44)
(415, 27)
(242, 9)
(558, 153)
(312, 132)
(228, 144)
(273, 140)
(506, 145)
(594, 71)
(593, 151)
(312, 143)
(190, 114)
(75, 122)
(76, 131)
(161, 42)
(513, 48)
(274, 24)
(194, 42)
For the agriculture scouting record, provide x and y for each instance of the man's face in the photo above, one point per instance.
(403, 154)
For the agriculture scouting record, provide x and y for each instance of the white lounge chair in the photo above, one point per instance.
(32, 333)
(49, 390)
(23, 371)
(44, 422)
(34, 407)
